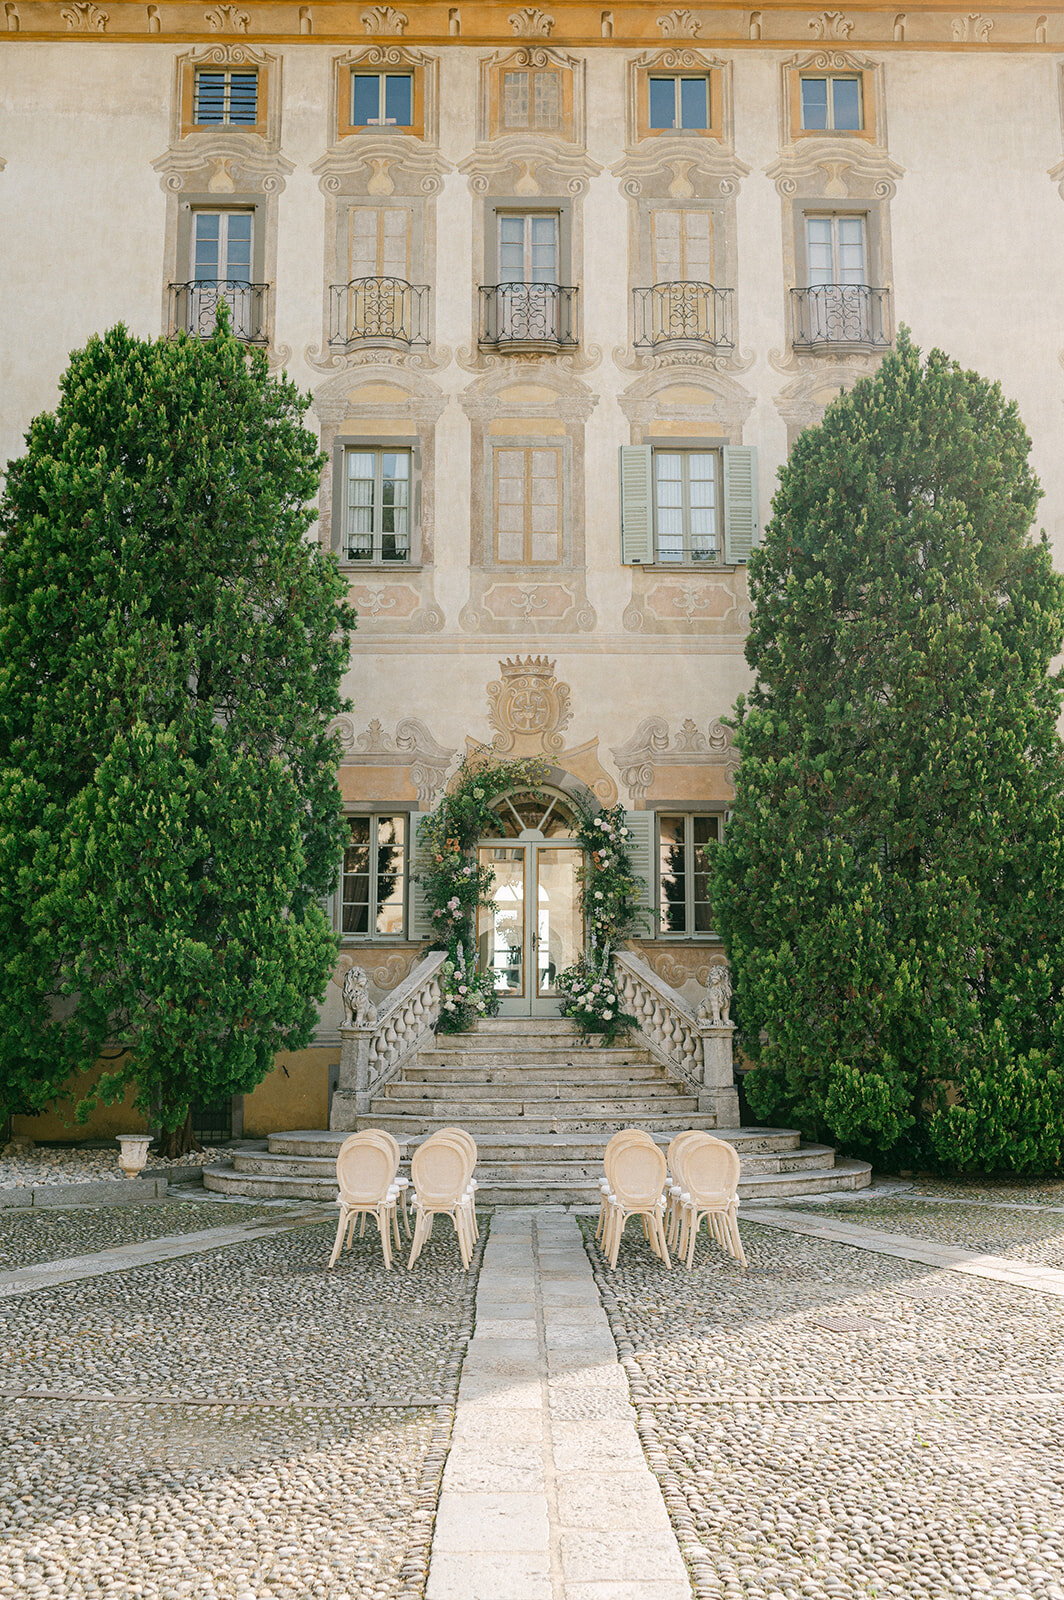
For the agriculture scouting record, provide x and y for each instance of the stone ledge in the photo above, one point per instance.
(102, 1192)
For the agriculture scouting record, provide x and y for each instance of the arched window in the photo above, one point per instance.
(540, 813)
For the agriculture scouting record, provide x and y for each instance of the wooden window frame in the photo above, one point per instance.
(553, 444)
(714, 77)
(662, 447)
(371, 69)
(497, 128)
(689, 931)
(371, 936)
(188, 99)
(869, 109)
(379, 445)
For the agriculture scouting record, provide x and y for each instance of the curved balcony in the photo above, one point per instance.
(528, 316)
(840, 316)
(194, 308)
(683, 313)
(386, 311)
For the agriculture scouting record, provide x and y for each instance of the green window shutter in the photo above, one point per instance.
(637, 523)
(740, 501)
(420, 920)
(640, 825)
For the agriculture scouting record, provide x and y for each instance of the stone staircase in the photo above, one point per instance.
(541, 1101)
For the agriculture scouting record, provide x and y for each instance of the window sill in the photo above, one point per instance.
(349, 567)
(373, 941)
(706, 567)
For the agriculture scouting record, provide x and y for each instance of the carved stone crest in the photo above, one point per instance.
(531, 23)
(384, 19)
(359, 1010)
(680, 25)
(528, 708)
(716, 1007)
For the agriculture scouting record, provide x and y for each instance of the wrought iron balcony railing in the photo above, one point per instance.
(683, 313)
(528, 314)
(378, 310)
(835, 314)
(194, 308)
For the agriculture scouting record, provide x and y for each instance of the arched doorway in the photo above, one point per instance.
(537, 928)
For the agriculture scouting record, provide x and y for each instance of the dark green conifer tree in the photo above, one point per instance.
(891, 887)
(171, 649)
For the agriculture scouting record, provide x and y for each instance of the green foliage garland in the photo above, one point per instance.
(891, 886)
(456, 886)
(171, 650)
(611, 890)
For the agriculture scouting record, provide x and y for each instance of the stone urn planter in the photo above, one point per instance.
(133, 1152)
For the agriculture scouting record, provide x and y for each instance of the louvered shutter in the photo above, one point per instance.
(740, 501)
(420, 920)
(640, 825)
(637, 533)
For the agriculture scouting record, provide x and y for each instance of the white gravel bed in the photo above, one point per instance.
(187, 1503)
(251, 1322)
(834, 1425)
(56, 1165)
(30, 1238)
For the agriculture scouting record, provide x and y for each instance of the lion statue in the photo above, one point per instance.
(716, 1007)
(359, 1010)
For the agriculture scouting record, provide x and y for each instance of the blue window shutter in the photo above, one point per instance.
(740, 501)
(420, 919)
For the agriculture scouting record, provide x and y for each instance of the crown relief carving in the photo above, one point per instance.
(528, 709)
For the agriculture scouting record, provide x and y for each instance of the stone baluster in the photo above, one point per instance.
(698, 1052)
(373, 1054)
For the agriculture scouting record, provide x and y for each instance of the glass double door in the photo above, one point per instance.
(537, 928)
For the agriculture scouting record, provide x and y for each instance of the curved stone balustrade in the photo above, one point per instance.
(370, 1056)
(698, 1053)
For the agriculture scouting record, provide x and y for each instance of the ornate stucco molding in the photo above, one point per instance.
(652, 746)
(648, 399)
(411, 745)
(527, 706)
(688, 171)
(529, 165)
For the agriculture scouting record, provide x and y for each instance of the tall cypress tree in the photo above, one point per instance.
(891, 888)
(171, 648)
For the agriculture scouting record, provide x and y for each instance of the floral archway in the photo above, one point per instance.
(455, 888)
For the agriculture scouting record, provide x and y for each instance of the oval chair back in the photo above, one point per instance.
(636, 1174)
(365, 1170)
(441, 1169)
(711, 1170)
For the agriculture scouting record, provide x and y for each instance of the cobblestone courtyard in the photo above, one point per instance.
(237, 1423)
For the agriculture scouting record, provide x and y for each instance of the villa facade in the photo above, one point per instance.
(563, 284)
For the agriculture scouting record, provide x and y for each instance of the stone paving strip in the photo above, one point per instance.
(142, 1253)
(546, 1493)
(1047, 1280)
(30, 1237)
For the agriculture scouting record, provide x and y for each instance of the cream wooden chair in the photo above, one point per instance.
(624, 1137)
(467, 1139)
(675, 1185)
(710, 1182)
(442, 1169)
(636, 1173)
(365, 1172)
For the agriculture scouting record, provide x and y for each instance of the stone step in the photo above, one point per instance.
(495, 1145)
(481, 1125)
(535, 1073)
(506, 1164)
(844, 1175)
(618, 1109)
(520, 1053)
(539, 1091)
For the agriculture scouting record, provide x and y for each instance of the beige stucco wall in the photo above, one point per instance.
(976, 234)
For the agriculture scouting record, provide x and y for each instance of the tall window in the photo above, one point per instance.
(532, 99)
(679, 102)
(376, 523)
(528, 509)
(684, 845)
(683, 246)
(379, 242)
(382, 99)
(831, 104)
(835, 249)
(222, 244)
(226, 99)
(687, 505)
(528, 247)
(373, 893)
